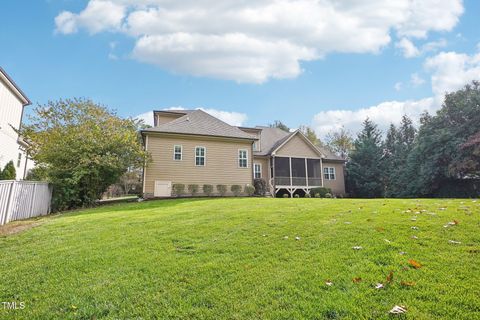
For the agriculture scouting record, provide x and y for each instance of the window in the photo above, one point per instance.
(256, 145)
(177, 152)
(329, 173)
(257, 170)
(200, 154)
(19, 160)
(243, 158)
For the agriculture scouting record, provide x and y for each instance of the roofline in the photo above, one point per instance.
(14, 87)
(250, 128)
(304, 138)
(195, 134)
(179, 112)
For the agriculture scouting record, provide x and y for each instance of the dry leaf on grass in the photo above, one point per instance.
(407, 283)
(398, 310)
(357, 248)
(454, 242)
(329, 283)
(357, 280)
(379, 286)
(415, 264)
(297, 238)
(390, 277)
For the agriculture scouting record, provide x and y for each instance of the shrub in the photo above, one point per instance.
(307, 195)
(260, 187)
(178, 189)
(328, 195)
(249, 190)
(317, 195)
(193, 189)
(8, 172)
(322, 191)
(286, 195)
(208, 189)
(296, 196)
(222, 189)
(236, 189)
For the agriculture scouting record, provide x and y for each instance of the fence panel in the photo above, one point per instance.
(23, 199)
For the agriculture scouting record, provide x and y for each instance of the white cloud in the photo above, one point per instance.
(409, 50)
(98, 16)
(416, 80)
(230, 117)
(452, 70)
(254, 41)
(398, 86)
(382, 114)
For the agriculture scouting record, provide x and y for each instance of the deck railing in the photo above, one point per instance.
(298, 181)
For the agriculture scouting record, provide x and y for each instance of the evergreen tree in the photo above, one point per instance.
(8, 172)
(280, 125)
(365, 168)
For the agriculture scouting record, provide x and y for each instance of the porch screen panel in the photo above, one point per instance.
(299, 173)
(282, 167)
(314, 173)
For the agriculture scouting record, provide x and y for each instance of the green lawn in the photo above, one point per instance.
(231, 259)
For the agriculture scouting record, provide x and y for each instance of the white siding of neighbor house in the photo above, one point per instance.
(10, 114)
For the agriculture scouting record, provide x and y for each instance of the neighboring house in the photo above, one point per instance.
(193, 147)
(12, 102)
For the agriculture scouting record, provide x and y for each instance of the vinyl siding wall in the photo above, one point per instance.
(10, 114)
(337, 185)
(165, 118)
(221, 164)
(265, 167)
(296, 147)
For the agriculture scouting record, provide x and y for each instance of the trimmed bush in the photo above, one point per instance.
(249, 190)
(307, 195)
(178, 189)
(328, 195)
(193, 189)
(322, 191)
(222, 189)
(286, 195)
(236, 189)
(317, 195)
(296, 195)
(208, 189)
(260, 187)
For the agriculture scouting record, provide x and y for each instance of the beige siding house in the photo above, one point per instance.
(193, 147)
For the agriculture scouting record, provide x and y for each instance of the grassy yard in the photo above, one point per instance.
(240, 259)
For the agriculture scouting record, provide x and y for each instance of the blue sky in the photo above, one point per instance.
(301, 62)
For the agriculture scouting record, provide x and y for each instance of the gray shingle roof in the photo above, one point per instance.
(198, 122)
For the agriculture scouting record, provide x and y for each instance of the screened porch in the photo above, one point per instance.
(296, 172)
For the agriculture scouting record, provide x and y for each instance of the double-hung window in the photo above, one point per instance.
(177, 152)
(257, 170)
(243, 158)
(200, 156)
(329, 173)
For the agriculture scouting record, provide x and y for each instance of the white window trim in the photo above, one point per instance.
(260, 171)
(204, 156)
(330, 171)
(238, 158)
(181, 152)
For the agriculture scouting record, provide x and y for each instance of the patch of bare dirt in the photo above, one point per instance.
(17, 227)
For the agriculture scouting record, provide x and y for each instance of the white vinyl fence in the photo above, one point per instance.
(23, 199)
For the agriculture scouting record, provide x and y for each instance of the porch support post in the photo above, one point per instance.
(290, 163)
(306, 172)
(321, 170)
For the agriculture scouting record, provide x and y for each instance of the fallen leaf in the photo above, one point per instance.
(414, 237)
(380, 229)
(398, 310)
(357, 248)
(402, 252)
(379, 286)
(390, 277)
(407, 283)
(454, 242)
(329, 283)
(415, 264)
(387, 241)
(286, 237)
(357, 280)
(414, 228)
(297, 238)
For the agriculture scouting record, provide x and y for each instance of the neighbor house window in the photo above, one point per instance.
(243, 158)
(200, 153)
(257, 170)
(329, 173)
(19, 160)
(177, 152)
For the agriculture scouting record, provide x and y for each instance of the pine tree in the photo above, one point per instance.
(365, 169)
(8, 172)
